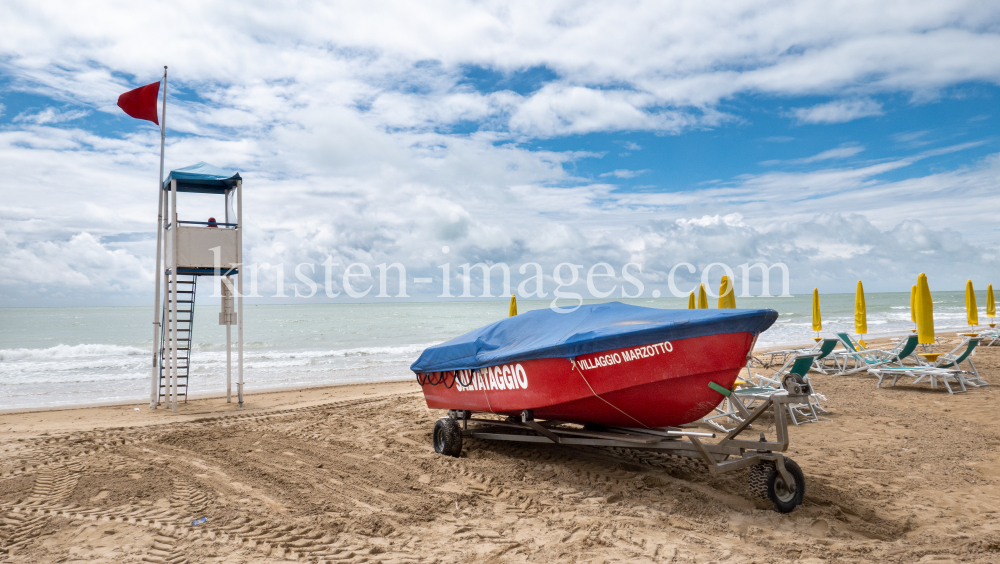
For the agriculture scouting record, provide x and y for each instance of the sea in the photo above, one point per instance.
(53, 357)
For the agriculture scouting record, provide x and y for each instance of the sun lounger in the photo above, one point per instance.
(963, 353)
(821, 349)
(747, 395)
(946, 369)
(904, 349)
(990, 337)
(921, 374)
(856, 358)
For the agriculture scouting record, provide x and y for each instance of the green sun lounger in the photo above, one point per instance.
(821, 349)
(856, 358)
(743, 399)
(947, 369)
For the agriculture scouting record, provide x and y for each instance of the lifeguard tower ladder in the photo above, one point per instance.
(194, 249)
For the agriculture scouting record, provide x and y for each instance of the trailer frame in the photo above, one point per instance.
(729, 454)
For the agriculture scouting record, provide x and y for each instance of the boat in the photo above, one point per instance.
(610, 364)
(614, 375)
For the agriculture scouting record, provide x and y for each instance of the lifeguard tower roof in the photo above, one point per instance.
(203, 178)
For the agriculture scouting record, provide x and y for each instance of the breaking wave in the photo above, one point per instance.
(69, 352)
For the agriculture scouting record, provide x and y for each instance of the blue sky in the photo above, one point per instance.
(765, 139)
(845, 140)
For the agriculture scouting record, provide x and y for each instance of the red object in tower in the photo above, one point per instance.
(141, 102)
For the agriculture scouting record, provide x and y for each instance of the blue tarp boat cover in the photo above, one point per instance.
(202, 177)
(544, 333)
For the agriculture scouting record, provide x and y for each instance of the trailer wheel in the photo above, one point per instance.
(766, 484)
(447, 437)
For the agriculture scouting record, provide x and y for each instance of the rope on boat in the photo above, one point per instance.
(436, 378)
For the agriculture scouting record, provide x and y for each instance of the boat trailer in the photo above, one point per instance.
(773, 477)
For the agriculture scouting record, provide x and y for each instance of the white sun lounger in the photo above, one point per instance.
(856, 358)
(743, 399)
(946, 369)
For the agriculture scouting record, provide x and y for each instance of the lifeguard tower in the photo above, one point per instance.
(194, 249)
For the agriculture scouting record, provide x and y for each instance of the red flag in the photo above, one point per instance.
(141, 102)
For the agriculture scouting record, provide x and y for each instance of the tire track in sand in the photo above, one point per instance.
(17, 530)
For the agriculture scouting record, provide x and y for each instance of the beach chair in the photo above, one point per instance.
(946, 369)
(903, 350)
(989, 337)
(768, 359)
(731, 409)
(821, 349)
(921, 374)
(963, 353)
(748, 394)
(856, 358)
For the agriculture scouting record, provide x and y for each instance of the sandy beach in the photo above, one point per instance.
(471, 272)
(348, 474)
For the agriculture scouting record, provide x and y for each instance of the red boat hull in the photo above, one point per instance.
(657, 385)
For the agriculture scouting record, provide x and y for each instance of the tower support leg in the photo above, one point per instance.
(239, 285)
(173, 299)
(227, 297)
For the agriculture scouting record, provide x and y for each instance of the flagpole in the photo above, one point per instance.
(155, 383)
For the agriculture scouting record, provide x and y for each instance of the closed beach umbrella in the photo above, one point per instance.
(513, 306)
(727, 295)
(702, 297)
(991, 305)
(860, 312)
(971, 311)
(913, 305)
(817, 319)
(925, 312)
(691, 301)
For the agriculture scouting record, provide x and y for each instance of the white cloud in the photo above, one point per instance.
(646, 66)
(360, 138)
(624, 173)
(486, 202)
(912, 138)
(842, 152)
(940, 199)
(50, 115)
(73, 270)
(558, 110)
(731, 220)
(838, 111)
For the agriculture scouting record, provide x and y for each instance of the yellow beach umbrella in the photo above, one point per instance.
(860, 313)
(702, 297)
(513, 306)
(913, 306)
(727, 294)
(991, 305)
(925, 312)
(817, 318)
(971, 311)
(691, 301)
